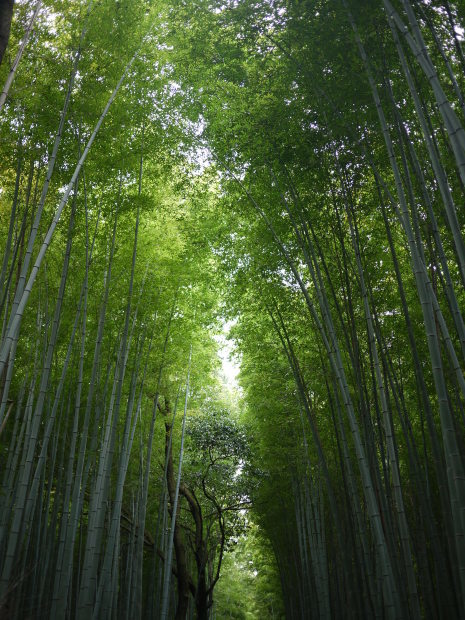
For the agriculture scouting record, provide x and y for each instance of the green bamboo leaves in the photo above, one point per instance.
(300, 169)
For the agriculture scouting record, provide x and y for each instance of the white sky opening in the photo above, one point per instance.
(229, 362)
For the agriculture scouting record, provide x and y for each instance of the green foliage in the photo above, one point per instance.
(249, 585)
(296, 169)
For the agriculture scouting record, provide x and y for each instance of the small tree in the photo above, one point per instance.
(214, 489)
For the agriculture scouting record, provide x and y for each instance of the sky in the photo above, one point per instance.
(229, 362)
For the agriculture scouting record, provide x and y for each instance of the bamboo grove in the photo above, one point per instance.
(294, 167)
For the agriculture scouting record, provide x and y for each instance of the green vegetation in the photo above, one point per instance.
(293, 169)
